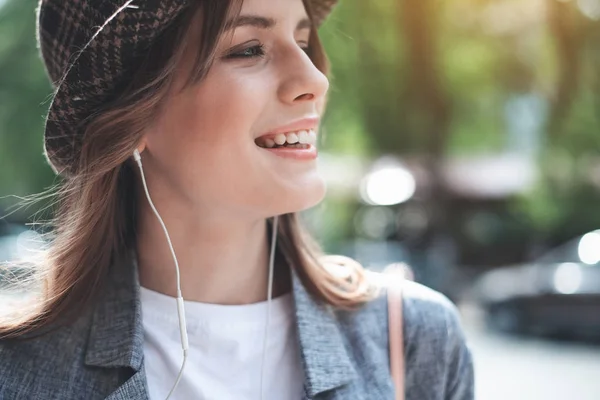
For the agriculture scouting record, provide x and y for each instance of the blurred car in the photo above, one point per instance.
(556, 295)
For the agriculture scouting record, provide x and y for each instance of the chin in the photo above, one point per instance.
(301, 197)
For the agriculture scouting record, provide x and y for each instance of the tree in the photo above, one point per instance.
(24, 94)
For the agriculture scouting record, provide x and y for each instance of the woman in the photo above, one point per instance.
(186, 132)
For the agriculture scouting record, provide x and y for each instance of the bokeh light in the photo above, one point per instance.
(388, 186)
(589, 248)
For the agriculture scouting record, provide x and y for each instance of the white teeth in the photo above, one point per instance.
(292, 138)
(303, 137)
(312, 137)
(280, 139)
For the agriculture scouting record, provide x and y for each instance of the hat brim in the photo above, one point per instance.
(97, 72)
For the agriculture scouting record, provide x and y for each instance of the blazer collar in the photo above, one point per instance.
(116, 336)
(327, 364)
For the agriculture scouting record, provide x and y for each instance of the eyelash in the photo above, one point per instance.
(242, 54)
(260, 52)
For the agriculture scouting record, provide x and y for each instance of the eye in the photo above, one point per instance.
(250, 52)
(303, 45)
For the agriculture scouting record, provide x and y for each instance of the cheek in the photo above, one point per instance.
(203, 140)
(209, 127)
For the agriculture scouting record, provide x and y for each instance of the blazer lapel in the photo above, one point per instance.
(326, 362)
(116, 340)
(328, 350)
(134, 389)
(116, 336)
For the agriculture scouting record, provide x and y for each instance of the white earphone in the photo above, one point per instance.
(180, 304)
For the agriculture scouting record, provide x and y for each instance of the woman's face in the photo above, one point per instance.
(212, 143)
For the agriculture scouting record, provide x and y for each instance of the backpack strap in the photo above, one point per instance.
(396, 334)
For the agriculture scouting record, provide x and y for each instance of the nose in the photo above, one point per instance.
(302, 80)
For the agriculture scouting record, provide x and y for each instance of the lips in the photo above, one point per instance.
(296, 140)
(307, 152)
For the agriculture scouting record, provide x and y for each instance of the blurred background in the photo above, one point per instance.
(462, 138)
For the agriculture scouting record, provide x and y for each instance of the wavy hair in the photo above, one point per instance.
(95, 218)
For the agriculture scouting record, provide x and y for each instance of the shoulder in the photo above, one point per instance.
(426, 312)
(51, 353)
(48, 365)
(429, 317)
(437, 355)
(435, 339)
(437, 351)
(429, 311)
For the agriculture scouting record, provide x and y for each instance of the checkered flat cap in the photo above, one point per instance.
(90, 49)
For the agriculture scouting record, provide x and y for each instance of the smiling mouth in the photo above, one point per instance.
(302, 139)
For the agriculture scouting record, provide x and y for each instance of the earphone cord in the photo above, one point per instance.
(269, 298)
(180, 304)
(180, 307)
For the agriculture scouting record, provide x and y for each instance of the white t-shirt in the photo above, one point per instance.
(225, 354)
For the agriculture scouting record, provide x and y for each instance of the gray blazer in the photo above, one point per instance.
(344, 354)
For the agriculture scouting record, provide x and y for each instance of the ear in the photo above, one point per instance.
(141, 147)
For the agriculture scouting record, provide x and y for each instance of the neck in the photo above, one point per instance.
(221, 260)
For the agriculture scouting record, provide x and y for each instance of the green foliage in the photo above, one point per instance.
(408, 77)
(24, 88)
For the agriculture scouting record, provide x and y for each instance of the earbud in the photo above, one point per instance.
(137, 156)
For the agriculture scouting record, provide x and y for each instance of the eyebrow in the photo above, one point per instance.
(261, 22)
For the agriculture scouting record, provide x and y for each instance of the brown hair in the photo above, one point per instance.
(95, 220)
